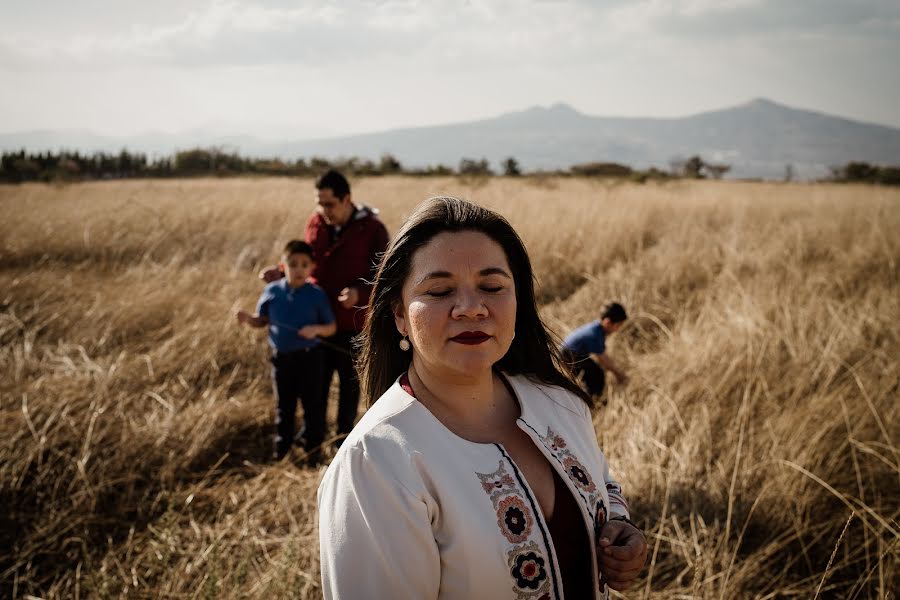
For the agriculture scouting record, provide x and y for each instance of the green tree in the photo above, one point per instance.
(389, 165)
(469, 166)
(511, 167)
(601, 169)
(693, 168)
(716, 171)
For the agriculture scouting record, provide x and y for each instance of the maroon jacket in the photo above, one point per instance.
(347, 259)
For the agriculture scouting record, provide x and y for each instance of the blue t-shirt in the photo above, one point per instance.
(587, 339)
(289, 309)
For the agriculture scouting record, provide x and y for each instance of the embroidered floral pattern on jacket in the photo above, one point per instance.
(575, 470)
(514, 519)
(578, 474)
(528, 564)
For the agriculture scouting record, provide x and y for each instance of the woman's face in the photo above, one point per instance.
(458, 305)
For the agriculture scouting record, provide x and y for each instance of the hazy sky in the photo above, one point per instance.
(281, 69)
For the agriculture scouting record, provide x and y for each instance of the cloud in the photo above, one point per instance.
(721, 18)
(203, 33)
(318, 32)
(232, 33)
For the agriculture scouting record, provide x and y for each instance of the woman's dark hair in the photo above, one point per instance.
(381, 360)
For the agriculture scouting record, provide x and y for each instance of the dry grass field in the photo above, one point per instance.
(757, 439)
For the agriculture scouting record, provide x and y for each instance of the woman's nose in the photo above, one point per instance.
(469, 303)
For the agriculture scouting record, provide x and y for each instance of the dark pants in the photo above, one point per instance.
(298, 375)
(339, 355)
(591, 375)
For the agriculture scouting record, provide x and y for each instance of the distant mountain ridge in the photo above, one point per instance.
(758, 138)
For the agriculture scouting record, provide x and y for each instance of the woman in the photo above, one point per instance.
(476, 474)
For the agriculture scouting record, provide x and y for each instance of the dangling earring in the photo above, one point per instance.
(404, 344)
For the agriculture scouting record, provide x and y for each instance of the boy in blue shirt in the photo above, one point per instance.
(585, 349)
(297, 313)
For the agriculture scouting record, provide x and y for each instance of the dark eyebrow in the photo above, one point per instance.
(494, 271)
(435, 275)
(449, 275)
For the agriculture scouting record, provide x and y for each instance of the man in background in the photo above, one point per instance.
(347, 242)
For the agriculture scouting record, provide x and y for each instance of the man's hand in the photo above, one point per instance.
(621, 552)
(243, 316)
(348, 297)
(271, 273)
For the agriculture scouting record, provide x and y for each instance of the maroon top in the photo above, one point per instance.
(570, 539)
(347, 258)
(571, 542)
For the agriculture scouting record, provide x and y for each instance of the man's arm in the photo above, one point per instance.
(377, 247)
(270, 273)
(349, 297)
(607, 363)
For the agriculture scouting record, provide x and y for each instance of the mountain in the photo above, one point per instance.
(758, 139)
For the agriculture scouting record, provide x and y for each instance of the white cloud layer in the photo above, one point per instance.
(366, 65)
(755, 17)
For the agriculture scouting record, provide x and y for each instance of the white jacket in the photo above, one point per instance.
(408, 509)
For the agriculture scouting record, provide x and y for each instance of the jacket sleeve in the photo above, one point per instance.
(375, 536)
(379, 241)
(618, 506)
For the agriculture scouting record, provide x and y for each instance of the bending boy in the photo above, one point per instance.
(585, 350)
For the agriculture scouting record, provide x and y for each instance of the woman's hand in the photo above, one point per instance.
(621, 552)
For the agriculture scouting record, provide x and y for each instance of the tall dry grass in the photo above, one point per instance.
(757, 439)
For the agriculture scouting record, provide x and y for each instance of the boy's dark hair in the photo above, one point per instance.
(298, 247)
(613, 311)
(334, 181)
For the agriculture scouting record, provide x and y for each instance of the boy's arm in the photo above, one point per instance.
(313, 331)
(252, 320)
(607, 363)
(327, 324)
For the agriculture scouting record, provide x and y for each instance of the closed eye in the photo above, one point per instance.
(438, 293)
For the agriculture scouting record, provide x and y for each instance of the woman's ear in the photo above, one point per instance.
(399, 317)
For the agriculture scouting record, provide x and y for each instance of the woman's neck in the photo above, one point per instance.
(472, 407)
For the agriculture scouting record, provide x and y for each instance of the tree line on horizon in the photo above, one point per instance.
(22, 166)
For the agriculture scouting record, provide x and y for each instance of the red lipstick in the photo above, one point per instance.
(471, 338)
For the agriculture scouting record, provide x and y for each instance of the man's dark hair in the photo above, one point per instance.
(613, 311)
(334, 181)
(381, 360)
(298, 247)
